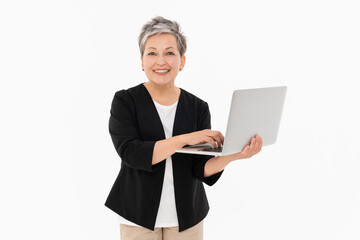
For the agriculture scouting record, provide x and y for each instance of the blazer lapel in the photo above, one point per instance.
(185, 120)
(150, 117)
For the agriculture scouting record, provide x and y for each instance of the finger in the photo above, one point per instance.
(218, 140)
(252, 144)
(253, 149)
(257, 143)
(261, 143)
(245, 151)
(222, 138)
(219, 137)
(216, 137)
(211, 141)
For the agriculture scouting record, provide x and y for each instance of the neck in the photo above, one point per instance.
(163, 94)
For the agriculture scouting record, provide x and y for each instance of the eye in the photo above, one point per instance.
(170, 53)
(151, 53)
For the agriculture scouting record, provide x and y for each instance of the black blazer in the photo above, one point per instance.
(135, 126)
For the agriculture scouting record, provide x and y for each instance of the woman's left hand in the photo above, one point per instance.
(249, 150)
(217, 164)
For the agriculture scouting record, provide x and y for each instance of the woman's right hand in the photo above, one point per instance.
(215, 138)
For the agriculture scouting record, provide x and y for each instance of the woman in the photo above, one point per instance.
(158, 193)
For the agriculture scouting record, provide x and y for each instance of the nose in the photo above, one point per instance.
(160, 60)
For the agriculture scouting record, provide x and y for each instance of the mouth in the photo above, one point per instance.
(161, 70)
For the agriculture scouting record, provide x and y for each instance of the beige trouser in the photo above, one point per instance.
(128, 232)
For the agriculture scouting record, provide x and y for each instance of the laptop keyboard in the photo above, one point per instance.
(211, 149)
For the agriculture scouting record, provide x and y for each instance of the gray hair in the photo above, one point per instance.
(159, 25)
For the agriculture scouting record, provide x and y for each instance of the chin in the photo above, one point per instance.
(162, 81)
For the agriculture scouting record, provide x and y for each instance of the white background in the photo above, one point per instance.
(62, 61)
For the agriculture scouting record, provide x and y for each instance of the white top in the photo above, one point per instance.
(167, 216)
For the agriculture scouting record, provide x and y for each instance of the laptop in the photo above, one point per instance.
(252, 111)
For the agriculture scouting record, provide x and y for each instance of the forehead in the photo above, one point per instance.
(161, 41)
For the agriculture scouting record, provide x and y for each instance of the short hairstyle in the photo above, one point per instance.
(159, 25)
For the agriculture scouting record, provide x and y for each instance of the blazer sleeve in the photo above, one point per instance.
(199, 161)
(133, 151)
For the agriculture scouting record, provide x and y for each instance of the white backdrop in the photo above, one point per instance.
(62, 61)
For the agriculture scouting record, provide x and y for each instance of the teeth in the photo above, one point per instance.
(162, 71)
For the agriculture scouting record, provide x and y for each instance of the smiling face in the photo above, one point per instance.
(161, 60)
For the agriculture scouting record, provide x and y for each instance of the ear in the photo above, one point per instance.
(142, 63)
(182, 63)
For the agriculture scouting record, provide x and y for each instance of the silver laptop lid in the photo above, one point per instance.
(253, 111)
